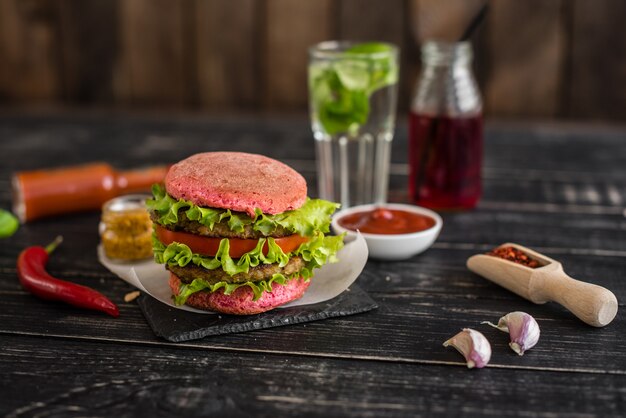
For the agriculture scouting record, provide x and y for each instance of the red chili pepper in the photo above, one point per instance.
(31, 269)
(514, 255)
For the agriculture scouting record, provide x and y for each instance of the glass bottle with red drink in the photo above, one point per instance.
(446, 130)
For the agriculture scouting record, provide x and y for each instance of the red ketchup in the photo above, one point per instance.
(386, 221)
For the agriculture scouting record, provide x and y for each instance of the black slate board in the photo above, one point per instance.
(177, 325)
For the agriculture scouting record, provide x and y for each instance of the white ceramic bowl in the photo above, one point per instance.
(394, 246)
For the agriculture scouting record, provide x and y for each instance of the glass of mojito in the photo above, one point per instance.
(352, 97)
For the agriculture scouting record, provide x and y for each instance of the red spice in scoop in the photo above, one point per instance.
(514, 255)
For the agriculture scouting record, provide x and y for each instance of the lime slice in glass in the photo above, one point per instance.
(353, 74)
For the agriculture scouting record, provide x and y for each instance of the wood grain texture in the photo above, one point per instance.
(30, 51)
(408, 328)
(598, 61)
(165, 381)
(291, 28)
(371, 20)
(388, 362)
(534, 59)
(444, 21)
(90, 46)
(527, 51)
(151, 68)
(229, 59)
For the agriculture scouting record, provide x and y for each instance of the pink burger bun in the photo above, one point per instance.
(241, 301)
(237, 181)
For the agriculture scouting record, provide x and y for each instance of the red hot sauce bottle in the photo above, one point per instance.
(41, 193)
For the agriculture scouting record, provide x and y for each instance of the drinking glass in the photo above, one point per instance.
(352, 98)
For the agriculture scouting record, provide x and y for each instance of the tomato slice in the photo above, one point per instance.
(238, 246)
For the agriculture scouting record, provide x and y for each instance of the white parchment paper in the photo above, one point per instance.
(328, 282)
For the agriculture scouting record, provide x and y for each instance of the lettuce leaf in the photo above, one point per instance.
(316, 252)
(313, 216)
(258, 287)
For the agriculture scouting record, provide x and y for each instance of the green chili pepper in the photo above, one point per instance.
(8, 224)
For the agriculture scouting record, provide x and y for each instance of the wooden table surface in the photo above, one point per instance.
(560, 189)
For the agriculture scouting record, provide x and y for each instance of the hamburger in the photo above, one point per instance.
(238, 233)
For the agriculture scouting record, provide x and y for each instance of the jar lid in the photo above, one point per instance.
(127, 202)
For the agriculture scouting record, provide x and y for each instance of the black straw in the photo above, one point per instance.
(476, 21)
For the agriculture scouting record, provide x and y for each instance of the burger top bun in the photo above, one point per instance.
(237, 181)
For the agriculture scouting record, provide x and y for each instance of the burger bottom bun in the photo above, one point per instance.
(241, 302)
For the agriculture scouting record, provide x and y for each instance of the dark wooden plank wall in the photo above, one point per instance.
(534, 59)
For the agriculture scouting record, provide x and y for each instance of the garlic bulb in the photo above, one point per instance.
(522, 328)
(474, 347)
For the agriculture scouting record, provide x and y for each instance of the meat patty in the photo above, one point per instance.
(220, 230)
(263, 271)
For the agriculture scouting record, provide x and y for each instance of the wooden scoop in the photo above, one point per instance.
(591, 303)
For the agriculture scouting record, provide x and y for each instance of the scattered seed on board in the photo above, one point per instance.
(131, 296)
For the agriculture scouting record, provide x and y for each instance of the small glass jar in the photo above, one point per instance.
(126, 228)
(446, 130)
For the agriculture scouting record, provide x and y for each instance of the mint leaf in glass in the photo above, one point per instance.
(369, 48)
(340, 88)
